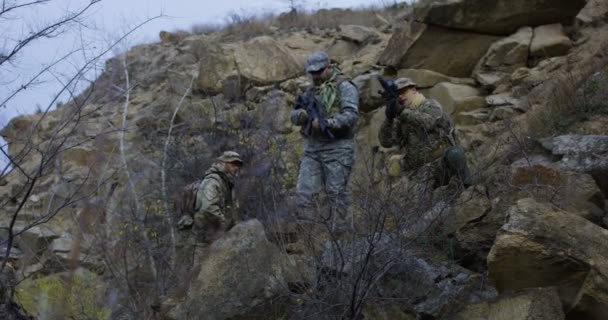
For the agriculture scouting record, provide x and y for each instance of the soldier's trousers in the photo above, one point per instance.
(326, 167)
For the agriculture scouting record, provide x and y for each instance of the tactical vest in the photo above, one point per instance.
(346, 133)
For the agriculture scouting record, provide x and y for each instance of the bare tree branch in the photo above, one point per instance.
(45, 32)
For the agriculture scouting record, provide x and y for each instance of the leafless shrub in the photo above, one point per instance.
(576, 95)
(205, 28)
(243, 26)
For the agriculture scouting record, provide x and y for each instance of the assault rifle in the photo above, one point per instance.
(311, 106)
(391, 96)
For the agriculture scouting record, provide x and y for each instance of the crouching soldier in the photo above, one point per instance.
(208, 209)
(425, 133)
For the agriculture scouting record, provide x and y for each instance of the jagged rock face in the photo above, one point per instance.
(541, 246)
(431, 44)
(253, 59)
(470, 46)
(246, 64)
(503, 57)
(214, 66)
(537, 304)
(400, 42)
(500, 17)
(240, 271)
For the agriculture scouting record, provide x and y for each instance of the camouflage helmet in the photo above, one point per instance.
(317, 61)
(230, 156)
(403, 83)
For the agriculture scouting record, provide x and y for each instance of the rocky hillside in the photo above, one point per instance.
(87, 210)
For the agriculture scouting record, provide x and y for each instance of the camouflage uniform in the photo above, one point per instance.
(215, 210)
(426, 134)
(326, 163)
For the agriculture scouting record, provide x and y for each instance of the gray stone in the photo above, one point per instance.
(368, 85)
(503, 57)
(503, 99)
(239, 272)
(455, 97)
(546, 246)
(575, 144)
(357, 34)
(253, 57)
(550, 41)
(537, 304)
(451, 52)
(500, 17)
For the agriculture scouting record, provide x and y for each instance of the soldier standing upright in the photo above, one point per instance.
(329, 147)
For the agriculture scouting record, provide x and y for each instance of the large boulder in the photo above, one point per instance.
(542, 246)
(276, 111)
(368, 85)
(431, 48)
(477, 217)
(341, 50)
(240, 271)
(501, 17)
(253, 57)
(400, 42)
(549, 41)
(576, 192)
(537, 304)
(357, 34)
(504, 56)
(215, 64)
(455, 98)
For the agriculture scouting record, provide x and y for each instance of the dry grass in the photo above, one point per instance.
(571, 105)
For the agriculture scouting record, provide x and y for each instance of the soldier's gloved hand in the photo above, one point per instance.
(185, 222)
(299, 117)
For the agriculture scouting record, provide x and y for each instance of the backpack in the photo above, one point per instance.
(185, 203)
